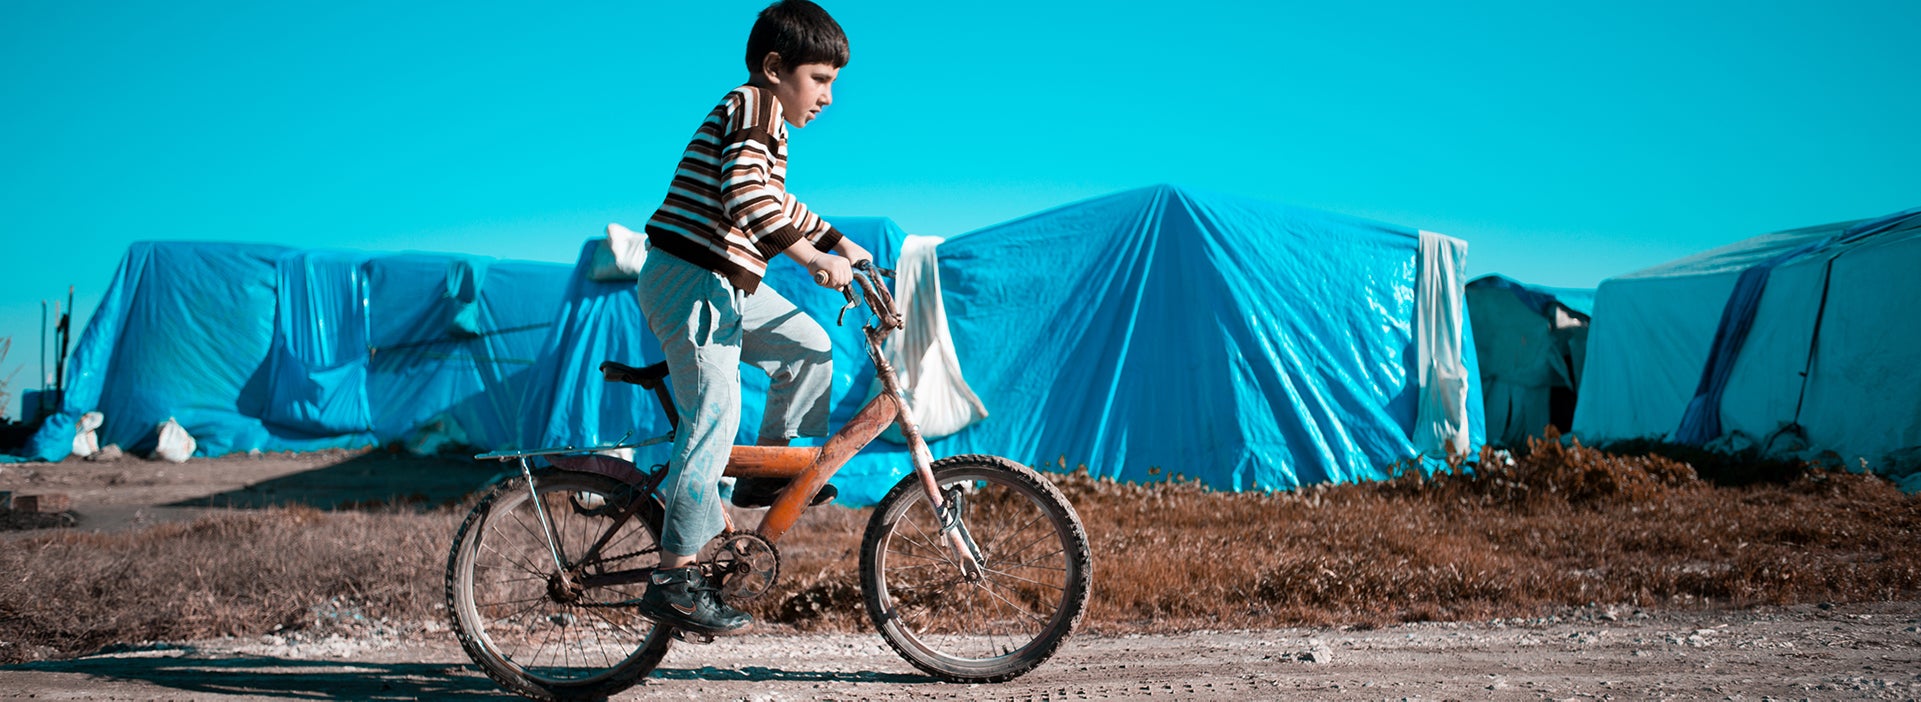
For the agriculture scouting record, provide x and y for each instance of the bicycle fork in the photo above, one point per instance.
(947, 506)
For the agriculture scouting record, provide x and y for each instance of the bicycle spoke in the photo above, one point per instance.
(1015, 532)
(1038, 539)
(921, 538)
(515, 579)
(1006, 574)
(535, 602)
(1035, 562)
(1010, 603)
(524, 566)
(538, 535)
(509, 603)
(932, 562)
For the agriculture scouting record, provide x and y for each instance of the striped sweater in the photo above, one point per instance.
(728, 209)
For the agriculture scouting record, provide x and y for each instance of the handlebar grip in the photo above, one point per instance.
(820, 277)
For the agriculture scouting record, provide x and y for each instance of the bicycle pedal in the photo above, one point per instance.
(694, 637)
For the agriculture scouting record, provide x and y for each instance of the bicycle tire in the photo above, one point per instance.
(506, 618)
(1037, 573)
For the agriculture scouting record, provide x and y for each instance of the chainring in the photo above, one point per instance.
(747, 565)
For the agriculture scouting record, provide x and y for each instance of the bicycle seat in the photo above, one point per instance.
(645, 377)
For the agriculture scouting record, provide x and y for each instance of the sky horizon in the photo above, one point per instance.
(1565, 144)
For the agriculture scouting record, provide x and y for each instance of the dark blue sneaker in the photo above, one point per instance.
(682, 598)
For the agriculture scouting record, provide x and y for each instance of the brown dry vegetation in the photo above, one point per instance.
(1563, 527)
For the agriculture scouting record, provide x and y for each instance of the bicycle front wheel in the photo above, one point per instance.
(1035, 572)
(534, 632)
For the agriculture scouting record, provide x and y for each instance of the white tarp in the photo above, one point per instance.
(923, 352)
(1440, 426)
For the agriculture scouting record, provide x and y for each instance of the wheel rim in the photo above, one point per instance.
(1024, 591)
(523, 617)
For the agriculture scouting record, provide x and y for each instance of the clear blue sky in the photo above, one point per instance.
(1566, 142)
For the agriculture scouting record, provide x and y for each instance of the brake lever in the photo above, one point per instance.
(841, 319)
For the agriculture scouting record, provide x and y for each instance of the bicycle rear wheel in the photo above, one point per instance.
(516, 618)
(1036, 572)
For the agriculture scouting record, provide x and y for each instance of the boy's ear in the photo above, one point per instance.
(770, 66)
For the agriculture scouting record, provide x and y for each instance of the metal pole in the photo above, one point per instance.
(66, 334)
(40, 400)
(58, 329)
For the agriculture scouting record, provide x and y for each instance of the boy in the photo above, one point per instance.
(726, 214)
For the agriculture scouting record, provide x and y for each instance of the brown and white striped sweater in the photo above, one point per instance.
(728, 209)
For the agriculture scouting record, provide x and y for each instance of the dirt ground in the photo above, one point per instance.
(133, 492)
(1810, 652)
(1846, 652)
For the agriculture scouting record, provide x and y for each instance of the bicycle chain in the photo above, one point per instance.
(625, 556)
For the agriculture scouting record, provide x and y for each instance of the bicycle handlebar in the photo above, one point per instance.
(820, 277)
(867, 277)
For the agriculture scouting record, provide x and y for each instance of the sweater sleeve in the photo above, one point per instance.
(811, 226)
(754, 201)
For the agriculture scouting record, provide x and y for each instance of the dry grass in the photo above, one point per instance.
(1563, 527)
(234, 573)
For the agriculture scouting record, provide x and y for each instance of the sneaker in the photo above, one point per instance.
(682, 598)
(753, 493)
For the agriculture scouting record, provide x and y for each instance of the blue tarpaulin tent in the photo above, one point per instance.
(1250, 345)
(1531, 341)
(1798, 342)
(254, 346)
(1246, 344)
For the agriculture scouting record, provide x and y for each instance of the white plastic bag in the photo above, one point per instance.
(85, 441)
(176, 444)
(619, 256)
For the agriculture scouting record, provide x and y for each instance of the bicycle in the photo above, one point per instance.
(973, 568)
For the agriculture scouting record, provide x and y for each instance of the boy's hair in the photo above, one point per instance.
(801, 32)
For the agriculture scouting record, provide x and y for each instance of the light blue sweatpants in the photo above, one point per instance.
(707, 328)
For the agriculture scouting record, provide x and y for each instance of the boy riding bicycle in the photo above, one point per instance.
(726, 215)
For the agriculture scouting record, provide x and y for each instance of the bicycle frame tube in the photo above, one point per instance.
(810, 467)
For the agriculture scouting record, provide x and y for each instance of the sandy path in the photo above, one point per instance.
(1847, 652)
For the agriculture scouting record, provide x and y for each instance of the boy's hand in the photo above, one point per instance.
(830, 271)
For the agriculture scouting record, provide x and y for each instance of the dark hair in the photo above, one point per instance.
(800, 31)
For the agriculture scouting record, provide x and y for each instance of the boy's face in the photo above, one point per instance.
(804, 90)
